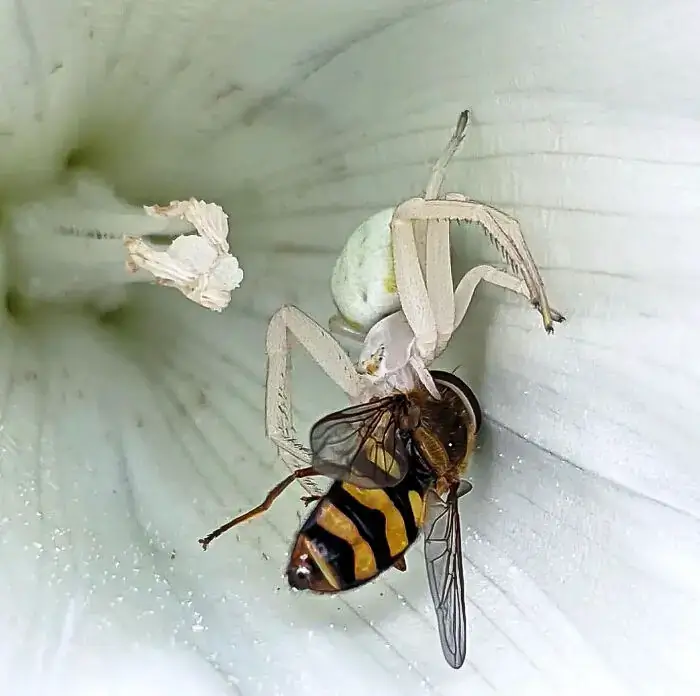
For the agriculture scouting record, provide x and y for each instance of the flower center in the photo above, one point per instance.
(80, 243)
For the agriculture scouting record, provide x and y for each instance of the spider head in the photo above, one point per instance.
(372, 364)
(387, 345)
(386, 353)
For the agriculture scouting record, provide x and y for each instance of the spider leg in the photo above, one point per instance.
(411, 286)
(433, 243)
(432, 248)
(437, 175)
(508, 227)
(503, 231)
(466, 287)
(330, 357)
(438, 279)
(511, 227)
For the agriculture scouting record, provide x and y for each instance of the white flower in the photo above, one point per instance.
(131, 418)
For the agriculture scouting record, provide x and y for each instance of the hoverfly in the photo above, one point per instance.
(397, 463)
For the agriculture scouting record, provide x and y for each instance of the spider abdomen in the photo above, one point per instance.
(363, 285)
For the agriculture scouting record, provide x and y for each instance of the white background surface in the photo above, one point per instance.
(121, 444)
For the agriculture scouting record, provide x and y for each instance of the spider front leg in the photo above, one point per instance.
(499, 227)
(330, 357)
(467, 286)
(412, 288)
(504, 232)
(427, 301)
(429, 282)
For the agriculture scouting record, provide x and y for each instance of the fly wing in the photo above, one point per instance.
(443, 559)
(362, 444)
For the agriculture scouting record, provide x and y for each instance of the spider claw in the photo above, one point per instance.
(462, 122)
(553, 317)
(549, 315)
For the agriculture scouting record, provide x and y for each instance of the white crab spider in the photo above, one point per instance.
(399, 348)
(377, 264)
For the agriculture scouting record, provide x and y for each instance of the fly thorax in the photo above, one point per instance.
(388, 346)
(433, 450)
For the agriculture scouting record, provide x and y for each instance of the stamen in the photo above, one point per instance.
(199, 265)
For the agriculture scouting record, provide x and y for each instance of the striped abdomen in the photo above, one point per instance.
(354, 534)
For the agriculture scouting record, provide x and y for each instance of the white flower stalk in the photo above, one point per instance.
(131, 418)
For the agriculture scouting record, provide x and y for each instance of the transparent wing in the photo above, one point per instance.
(363, 444)
(443, 559)
(464, 488)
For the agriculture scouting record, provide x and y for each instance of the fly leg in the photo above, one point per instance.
(308, 499)
(263, 507)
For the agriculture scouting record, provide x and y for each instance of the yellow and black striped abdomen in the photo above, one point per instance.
(354, 534)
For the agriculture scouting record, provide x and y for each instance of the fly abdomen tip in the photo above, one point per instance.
(299, 577)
